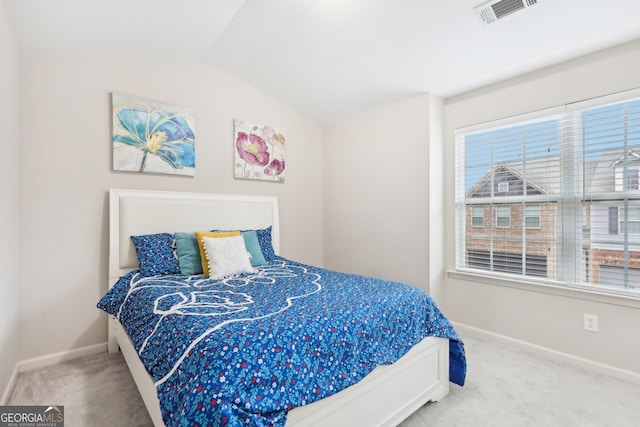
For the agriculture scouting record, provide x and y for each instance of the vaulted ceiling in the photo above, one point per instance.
(330, 59)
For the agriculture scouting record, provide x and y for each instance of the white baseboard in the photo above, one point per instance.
(9, 389)
(62, 356)
(601, 368)
(50, 359)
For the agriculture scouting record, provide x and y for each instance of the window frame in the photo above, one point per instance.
(498, 217)
(565, 283)
(538, 216)
(632, 182)
(621, 222)
(473, 217)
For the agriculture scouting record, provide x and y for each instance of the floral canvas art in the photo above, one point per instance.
(259, 152)
(150, 136)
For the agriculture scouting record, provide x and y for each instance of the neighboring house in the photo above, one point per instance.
(611, 249)
(504, 220)
(501, 229)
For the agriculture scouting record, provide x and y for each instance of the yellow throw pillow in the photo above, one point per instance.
(202, 234)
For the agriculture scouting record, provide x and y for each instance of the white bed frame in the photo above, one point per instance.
(385, 397)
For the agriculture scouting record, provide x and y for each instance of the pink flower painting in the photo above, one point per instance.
(259, 152)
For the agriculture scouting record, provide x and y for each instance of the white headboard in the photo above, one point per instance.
(136, 212)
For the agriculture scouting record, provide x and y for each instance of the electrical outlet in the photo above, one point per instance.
(590, 322)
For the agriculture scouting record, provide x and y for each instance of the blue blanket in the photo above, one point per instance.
(249, 348)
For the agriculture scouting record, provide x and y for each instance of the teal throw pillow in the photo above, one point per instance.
(253, 247)
(188, 253)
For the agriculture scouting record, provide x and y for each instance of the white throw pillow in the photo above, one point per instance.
(226, 256)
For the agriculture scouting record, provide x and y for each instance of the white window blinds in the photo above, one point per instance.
(561, 190)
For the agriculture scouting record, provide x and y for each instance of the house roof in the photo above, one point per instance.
(600, 172)
(633, 156)
(543, 174)
(539, 174)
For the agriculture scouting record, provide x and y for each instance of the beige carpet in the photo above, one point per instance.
(506, 386)
(96, 391)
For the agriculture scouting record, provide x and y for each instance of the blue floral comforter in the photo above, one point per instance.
(249, 348)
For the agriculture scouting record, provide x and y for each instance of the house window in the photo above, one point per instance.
(503, 216)
(477, 216)
(613, 220)
(618, 224)
(565, 172)
(632, 179)
(626, 169)
(632, 223)
(532, 216)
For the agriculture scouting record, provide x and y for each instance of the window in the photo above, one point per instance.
(503, 216)
(532, 216)
(632, 179)
(563, 187)
(613, 220)
(632, 221)
(618, 224)
(477, 216)
(626, 172)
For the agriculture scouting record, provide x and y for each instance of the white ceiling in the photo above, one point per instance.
(330, 59)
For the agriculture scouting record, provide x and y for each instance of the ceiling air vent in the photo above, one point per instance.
(494, 11)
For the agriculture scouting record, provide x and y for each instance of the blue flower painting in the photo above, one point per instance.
(149, 136)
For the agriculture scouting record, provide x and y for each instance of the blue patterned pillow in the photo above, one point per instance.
(156, 254)
(264, 237)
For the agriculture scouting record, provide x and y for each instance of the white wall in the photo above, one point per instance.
(66, 173)
(376, 196)
(551, 321)
(9, 211)
(372, 191)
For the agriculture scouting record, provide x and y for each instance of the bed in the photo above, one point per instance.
(383, 396)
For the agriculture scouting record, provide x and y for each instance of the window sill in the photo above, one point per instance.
(548, 288)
